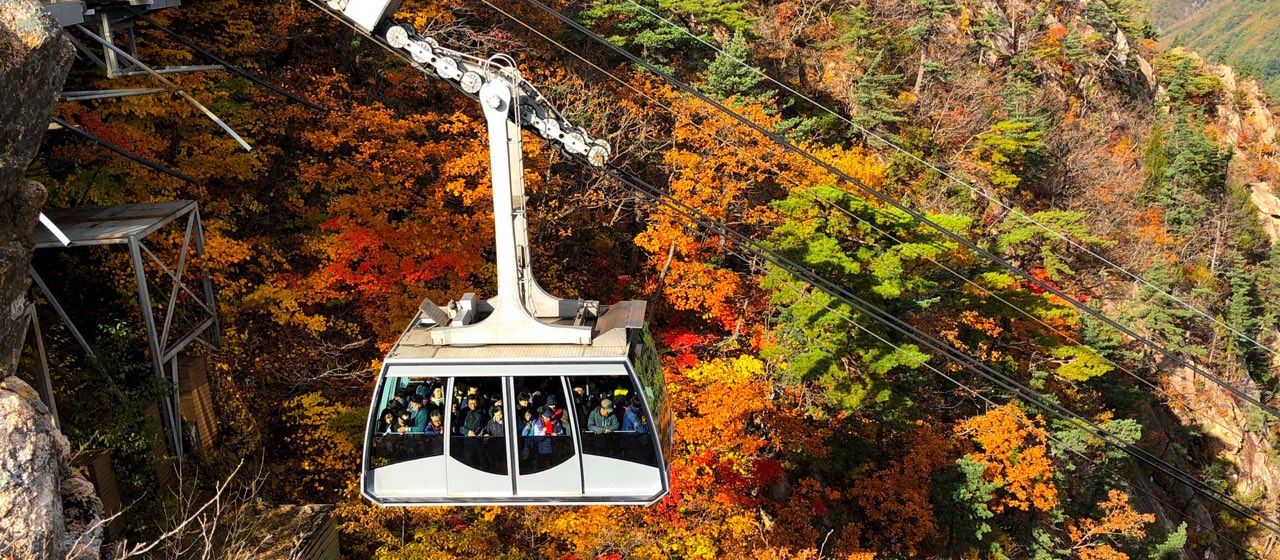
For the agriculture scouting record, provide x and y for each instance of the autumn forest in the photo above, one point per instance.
(1077, 222)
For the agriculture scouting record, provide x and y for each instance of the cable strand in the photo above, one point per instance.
(790, 147)
(976, 190)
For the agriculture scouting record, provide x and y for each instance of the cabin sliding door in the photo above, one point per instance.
(478, 463)
(548, 459)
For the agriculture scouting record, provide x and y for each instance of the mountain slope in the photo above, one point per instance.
(1239, 32)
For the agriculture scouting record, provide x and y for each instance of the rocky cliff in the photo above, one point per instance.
(45, 510)
(34, 59)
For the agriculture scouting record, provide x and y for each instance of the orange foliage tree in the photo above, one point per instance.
(1089, 537)
(1016, 453)
(895, 500)
(727, 172)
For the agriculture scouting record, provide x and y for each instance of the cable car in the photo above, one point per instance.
(521, 399)
(458, 460)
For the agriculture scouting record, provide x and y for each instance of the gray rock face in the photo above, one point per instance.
(45, 509)
(34, 58)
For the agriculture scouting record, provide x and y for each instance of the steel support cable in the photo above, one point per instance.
(929, 342)
(975, 190)
(788, 146)
(801, 294)
(845, 211)
(758, 250)
(855, 216)
(124, 152)
(233, 68)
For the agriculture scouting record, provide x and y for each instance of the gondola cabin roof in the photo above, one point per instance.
(608, 341)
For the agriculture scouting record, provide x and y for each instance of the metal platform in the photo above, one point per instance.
(110, 225)
(73, 12)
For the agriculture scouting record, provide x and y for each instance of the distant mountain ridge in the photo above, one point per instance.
(1169, 12)
(1243, 33)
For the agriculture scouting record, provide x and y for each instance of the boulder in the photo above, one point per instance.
(44, 507)
(1268, 205)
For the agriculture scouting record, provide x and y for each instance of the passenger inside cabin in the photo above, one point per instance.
(400, 401)
(553, 406)
(551, 423)
(526, 421)
(436, 427)
(386, 422)
(527, 417)
(437, 397)
(602, 420)
(473, 420)
(523, 401)
(417, 417)
(580, 400)
(633, 419)
(494, 427)
(544, 428)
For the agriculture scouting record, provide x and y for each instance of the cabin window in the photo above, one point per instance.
(644, 358)
(406, 426)
(613, 419)
(478, 431)
(544, 424)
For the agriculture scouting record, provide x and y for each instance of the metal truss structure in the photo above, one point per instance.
(44, 384)
(129, 225)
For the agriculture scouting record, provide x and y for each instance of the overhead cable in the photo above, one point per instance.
(124, 152)
(1026, 423)
(929, 342)
(233, 68)
(822, 200)
(978, 191)
(962, 240)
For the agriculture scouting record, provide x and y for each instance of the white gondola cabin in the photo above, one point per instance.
(449, 464)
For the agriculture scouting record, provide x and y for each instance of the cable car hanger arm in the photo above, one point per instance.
(468, 73)
(521, 312)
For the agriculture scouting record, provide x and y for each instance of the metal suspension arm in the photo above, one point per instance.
(469, 73)
(521, 312)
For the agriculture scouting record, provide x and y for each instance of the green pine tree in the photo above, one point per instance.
(730, 75)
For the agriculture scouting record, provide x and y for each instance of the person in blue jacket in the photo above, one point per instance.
(633, 420)
(417, 417)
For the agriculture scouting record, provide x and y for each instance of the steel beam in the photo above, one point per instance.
(178, 284)
(170, 273)
(206, 284)
(107, 93)
(166, 81)
(66, 320)
(175, 70)
(172, 419)
(44, 382)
